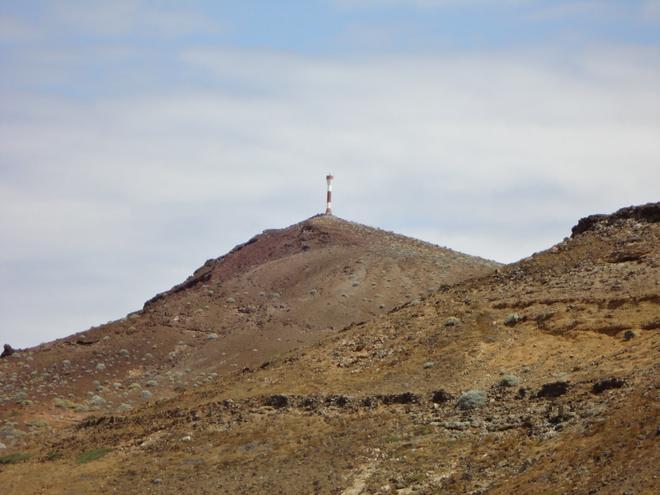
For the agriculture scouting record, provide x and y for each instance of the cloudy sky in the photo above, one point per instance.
(140, 138)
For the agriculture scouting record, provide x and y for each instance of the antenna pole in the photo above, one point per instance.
(328, 209)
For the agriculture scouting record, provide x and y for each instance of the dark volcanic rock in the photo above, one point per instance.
(404, 398)
(441, 396)
(277, 401)
(554, 389)
(649, 212)
(337, 400)
(8, 351)
(607, 384)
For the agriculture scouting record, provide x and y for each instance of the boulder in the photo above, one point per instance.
(7, 351)
(554, 389)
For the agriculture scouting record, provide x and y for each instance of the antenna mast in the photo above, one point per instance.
(328, 209)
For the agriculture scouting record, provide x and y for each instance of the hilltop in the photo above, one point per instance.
(535, 377)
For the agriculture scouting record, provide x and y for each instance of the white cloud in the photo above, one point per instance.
(495, 155)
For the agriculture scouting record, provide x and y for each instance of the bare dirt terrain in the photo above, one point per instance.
(536, 377)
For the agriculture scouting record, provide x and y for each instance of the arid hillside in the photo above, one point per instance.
(282, 289)
(538, 377)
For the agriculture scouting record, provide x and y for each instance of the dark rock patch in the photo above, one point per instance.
(554, 389)
(607, 384)
(403, 398)
(337, 400)
(441, 397)
(649, 212)
(7, 351)
(277, 401)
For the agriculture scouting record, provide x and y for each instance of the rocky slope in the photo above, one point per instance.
(282, 289)
(537, 378)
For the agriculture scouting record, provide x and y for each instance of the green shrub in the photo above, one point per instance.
(92, 455)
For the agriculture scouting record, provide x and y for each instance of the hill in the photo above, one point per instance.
(539, 377)
(282, 289)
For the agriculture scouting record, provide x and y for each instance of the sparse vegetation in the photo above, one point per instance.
(509, 380)
(92, 455)
(472, 399)
(53, 455)
(14, 458)
(364, 402)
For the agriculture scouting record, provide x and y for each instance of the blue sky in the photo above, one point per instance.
(141, 138)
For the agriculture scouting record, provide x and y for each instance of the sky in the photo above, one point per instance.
(140, 138)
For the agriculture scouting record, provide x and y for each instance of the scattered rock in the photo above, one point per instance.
(456, 425)
(124, 353)
(146, 395)
(212, 336)
(629, 335)
(429, 364)
(100, 367)
(338, 400)
(512, 319)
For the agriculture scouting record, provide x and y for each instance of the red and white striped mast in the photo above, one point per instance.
(328, 209)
